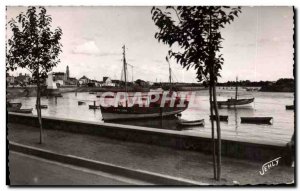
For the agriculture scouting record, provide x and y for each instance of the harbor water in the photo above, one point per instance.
(266, 104)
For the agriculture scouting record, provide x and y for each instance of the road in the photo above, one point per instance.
(30, 170)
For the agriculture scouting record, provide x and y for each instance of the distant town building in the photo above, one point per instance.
(117, 82)
(51, 84)
(83, 80)
(68, 72)
(10, 80)
(107, 81)
(22, 80)
(63, 79)
(71, 81)
(94, 83)
(59, 78)
(141, 83)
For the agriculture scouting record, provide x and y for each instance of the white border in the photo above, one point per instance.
(4, 3)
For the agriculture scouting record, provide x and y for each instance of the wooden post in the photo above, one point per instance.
(161, 116)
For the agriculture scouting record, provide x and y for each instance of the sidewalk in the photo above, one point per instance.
(178, 163)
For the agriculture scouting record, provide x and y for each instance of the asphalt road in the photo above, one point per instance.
(30, 170)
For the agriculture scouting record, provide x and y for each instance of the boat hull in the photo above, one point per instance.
(221, 117)
(111, 113)
(191, 123)
(256, 120)
(94, 107)
(21, 110)
(289, 107)
(233, 102)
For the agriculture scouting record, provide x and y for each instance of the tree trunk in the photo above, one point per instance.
(218, 131)
(38, 108)
(212, 132)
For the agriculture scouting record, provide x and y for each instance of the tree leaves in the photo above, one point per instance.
(196, 31)
(33, 44)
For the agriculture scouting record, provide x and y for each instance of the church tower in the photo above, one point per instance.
(68, 73)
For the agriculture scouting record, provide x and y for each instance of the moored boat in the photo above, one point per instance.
(81, 102)
(94, 107)
(289, 107)
(235, 101)
(16, 105)
(257, 120)
(152, 110)
(21, 110)
(183, 122)
(221, 117)
(116, 113)
(44, 106)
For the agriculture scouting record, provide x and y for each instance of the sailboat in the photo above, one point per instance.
(235, 101)
(136, 111)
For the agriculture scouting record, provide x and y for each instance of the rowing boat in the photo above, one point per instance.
(256, 120)
(289, 107)
(81, 102)
(44, 106)
(94, 107)
(221, 117)
(235, 102)
(21, 110)
(191, 123)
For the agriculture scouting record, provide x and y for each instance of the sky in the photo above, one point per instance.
(258, 45)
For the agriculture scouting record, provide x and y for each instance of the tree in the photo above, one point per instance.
(34, 46)
(195, 32)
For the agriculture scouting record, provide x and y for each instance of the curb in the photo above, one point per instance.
(156, 178)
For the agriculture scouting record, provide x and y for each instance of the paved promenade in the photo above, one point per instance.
(37, 171)
(178, 163)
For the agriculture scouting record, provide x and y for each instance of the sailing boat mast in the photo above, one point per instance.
(170, 72)
(125, 71)
(236, 89)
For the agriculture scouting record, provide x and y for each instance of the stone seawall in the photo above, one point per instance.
(169, 138)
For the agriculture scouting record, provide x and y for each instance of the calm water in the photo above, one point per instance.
(266, 104)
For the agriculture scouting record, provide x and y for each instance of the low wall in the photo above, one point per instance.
(175, 139)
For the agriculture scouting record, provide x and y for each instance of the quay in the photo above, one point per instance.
(168, 153)
(256, 150)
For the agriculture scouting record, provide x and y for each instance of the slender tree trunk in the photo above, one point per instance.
(218, 131)
(38, 108)
(212, 131)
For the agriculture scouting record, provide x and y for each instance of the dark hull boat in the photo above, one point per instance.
(44, 106)
(81, 102)
(221, 117)
(235, 102)
(94, 106)
(117, 113)
(152, 110)
(14, 105)
(21, 110)
(289, 107)
(257, 120)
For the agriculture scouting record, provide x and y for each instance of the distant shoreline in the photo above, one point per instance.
(15, 92)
